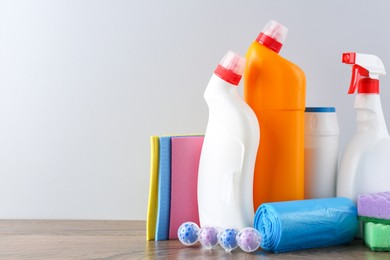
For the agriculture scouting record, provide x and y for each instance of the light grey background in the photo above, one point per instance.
(83, 84)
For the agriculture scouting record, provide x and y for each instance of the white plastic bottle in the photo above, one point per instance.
(365, 166)
(226, 167)
(321, 152)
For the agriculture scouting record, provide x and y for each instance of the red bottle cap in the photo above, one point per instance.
(273, 36)
(231, 68)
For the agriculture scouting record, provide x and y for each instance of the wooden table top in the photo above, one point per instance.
(84, 239)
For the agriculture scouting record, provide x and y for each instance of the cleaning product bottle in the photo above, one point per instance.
(321, 152)
(225, 177)
(275, 89)
(365, 166)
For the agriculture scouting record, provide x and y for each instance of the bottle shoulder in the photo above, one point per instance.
(233, 117)
(272, 82)
(260, 54)
(231, 108)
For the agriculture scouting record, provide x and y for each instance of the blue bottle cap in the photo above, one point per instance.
(321, 109)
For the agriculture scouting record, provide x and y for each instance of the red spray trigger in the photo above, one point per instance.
(349, 57)
(366, 69)
(358, 73)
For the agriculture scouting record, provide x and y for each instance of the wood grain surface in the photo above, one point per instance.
(84, 239)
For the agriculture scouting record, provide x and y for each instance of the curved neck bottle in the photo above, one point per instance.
(369, 115)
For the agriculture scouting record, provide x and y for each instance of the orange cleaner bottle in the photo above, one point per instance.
(275, 89)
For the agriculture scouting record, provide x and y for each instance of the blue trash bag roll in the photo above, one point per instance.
(303, 224)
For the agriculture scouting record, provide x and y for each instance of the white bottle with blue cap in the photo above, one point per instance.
(321, 152)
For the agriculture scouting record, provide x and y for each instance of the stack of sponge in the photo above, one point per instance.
(374, 212)
(173, 184)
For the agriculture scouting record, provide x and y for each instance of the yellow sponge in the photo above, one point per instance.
(153, 189)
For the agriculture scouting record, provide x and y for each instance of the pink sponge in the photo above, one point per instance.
(185, 155)
(376, 205)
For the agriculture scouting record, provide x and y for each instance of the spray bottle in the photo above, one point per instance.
(365, 166)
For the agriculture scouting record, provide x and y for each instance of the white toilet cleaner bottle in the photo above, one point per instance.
(365, 166)
(226, 167)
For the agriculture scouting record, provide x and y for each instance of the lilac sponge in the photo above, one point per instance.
(375, 205)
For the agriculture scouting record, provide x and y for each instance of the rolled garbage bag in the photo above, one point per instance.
(303, 224)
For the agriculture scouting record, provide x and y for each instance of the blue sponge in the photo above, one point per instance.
(164, 190)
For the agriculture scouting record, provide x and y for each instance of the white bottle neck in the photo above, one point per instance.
(218, 87)
(369, 115)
